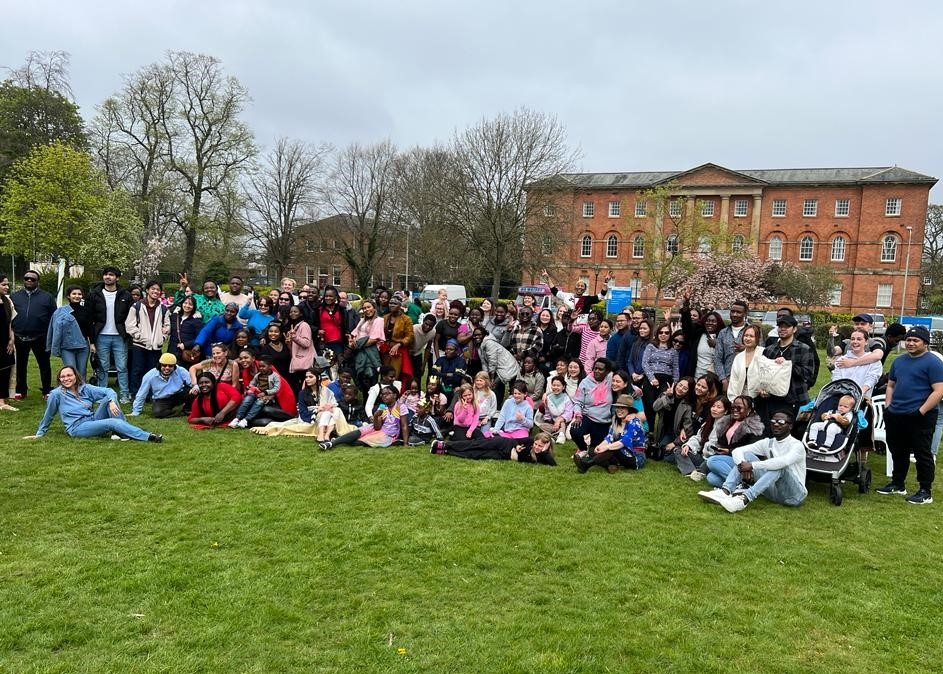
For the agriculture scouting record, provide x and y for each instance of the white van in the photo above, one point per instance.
(431, 291)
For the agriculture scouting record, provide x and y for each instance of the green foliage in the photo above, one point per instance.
(806, 286)
(218, 271)
(49, 201)
(31, 116)
(119, 224)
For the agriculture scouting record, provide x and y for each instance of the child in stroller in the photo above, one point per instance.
(833, 423)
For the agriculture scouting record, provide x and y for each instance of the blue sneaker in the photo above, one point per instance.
(921, 497)
(890, 488)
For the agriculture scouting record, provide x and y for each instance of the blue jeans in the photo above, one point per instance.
(77, 358)
(937, 431)
(718, 467)
(142, 360)
(250, 407)
(779, 486)
(108, 347)
(103, 423)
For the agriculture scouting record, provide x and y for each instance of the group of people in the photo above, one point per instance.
(692, 390)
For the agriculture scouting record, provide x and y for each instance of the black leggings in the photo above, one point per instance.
(596, 430)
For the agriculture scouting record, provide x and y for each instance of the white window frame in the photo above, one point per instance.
(740, 208)
(550, 210)
(612, 246)
(738, 243)
(589, 209)
(615, 209)
(641, 210)
(927, 280)
(704, 246)
(776, 247)
(885, 294)
(309, 277)
(834, 297)
(842, 208)
(586, 246)
(839, 244)
(707, 208)
(336, 276)
(889, 245)
(778, 208)
(810, 208)
(674, 208)
(806, 248)
(638, 246)
(893, 207)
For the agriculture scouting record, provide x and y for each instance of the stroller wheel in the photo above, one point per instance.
(834, 494)
(864, 483)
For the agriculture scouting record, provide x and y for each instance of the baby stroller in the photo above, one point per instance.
(842, 460)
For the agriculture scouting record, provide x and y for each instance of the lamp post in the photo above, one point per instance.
(596, 269)
(903, 298)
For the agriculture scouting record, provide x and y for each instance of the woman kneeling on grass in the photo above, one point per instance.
(74, 401)
(624, 445)
(390, 423)
(215, 405)
(538, 449)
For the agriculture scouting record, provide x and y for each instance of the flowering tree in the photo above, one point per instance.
(719, 279)
(146, 266)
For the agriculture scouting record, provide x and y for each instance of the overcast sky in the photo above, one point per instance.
(656, 85)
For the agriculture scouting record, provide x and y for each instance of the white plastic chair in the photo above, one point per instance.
(879, 434)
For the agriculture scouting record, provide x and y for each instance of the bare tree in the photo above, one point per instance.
(46, 70)
(931, 295)
(496, 161)
(283, 192)
(207, 144)
(362, 188)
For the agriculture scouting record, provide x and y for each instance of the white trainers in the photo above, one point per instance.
(234, 423)
(696, 475)
(734, 504)
(716, 495)
(561, 437)
(243, 423)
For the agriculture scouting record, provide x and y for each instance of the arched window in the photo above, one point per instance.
(586, 246)
(738, 243)
(806, 246)
(612, 246)
(638, 246)
(671, 245)
(889, 248)
(704, 245)
(776, 248)
(838, 249)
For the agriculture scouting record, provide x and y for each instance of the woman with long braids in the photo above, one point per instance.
(216, 403)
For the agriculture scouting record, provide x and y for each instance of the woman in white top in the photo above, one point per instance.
(744, 371)
(865, 376)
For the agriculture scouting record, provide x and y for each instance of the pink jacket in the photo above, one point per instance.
(465, 416)
(302, 348)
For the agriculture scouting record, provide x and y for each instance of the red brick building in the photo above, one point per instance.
(862, 222)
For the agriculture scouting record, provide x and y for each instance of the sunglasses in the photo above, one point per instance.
(778, 422)
(31, 278)
(664, 332)
(678, 342)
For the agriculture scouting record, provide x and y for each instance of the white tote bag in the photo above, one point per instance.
(772, 377)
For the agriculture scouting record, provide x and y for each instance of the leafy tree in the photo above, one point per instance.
(31, 116)
(719, 279)
(50, 200)
(931, 296)
(806, 286)
(677, 238)
(118, 224)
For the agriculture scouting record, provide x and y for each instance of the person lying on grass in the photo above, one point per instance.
(215, 404)
(774, 467)
(623, 446)
(74, 401)
(537, 449)
(389, 425)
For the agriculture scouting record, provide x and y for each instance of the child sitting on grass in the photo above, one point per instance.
(262, 389)
(423, 427)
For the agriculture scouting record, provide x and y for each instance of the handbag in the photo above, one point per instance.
(773, 377)
(188, 356)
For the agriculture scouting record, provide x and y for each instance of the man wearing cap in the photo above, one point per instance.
(168, 386)
(787, 348)
(109, 306)
(34, 308)
(914, 390)
(876, 348)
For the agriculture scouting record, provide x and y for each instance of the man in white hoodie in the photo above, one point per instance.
(773, 467)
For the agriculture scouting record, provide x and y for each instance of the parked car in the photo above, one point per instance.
(880, 325)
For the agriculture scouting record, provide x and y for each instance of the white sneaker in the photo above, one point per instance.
(243, 423)
(234, 423)
(561, 437)
(696, 475)
(716, 495)
(734, 504)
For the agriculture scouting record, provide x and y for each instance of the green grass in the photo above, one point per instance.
(228, 552)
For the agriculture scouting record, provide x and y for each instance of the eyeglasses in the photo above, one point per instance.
(678, 342)
(778, 422)
(664, 332)
(31, 278)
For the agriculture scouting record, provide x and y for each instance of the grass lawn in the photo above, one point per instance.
(222, 551)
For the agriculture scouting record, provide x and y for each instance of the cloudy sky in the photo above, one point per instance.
(657, 85)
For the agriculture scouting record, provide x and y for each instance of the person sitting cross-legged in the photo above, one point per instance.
(773, 467)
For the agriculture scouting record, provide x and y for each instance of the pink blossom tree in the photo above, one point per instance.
(718, 279)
